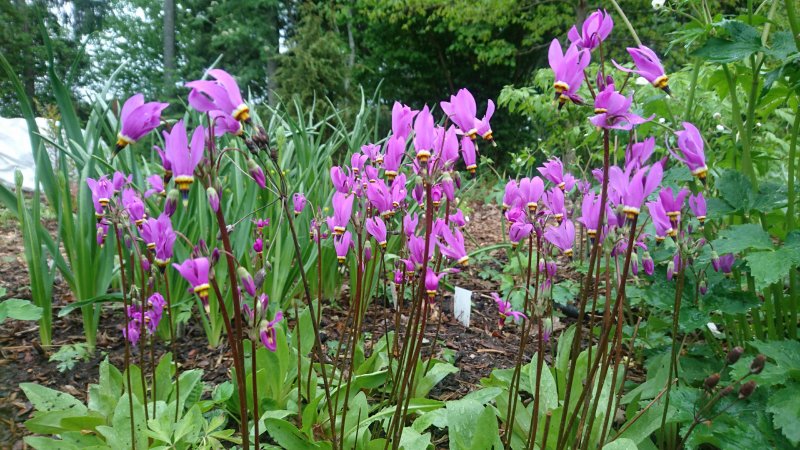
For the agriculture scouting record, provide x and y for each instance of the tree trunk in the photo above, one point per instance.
(169, 46)
(351, 59)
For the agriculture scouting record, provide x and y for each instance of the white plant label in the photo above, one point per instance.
(462, 305)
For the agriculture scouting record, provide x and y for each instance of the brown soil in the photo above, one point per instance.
(478, 349)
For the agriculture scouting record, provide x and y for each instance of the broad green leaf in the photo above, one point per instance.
(19, 309)
(739, 238)
(411, 439)
(46, 399)
(621, 444)
(785, 410)
(287, 435)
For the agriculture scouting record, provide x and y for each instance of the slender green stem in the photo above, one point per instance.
(174, 346)
(127, 346)
(627, 23)
(692, 89)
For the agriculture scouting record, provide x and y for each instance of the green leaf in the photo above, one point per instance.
(772, 266)
(744, 41)
(287, 435)
(785, 410)
(470, 425)
(411, 439)
(735, 189)
(18, 309)
(621, 444)
(46, 399)
(742, 237)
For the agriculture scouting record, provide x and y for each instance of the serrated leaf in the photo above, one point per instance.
(772, 266)
(738, 238)
(735, 189)
(785, 410)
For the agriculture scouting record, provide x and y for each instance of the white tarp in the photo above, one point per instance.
(15, 150)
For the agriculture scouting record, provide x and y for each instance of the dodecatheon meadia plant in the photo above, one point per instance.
(555, 203)
(432, 282)
(424, 135)
(505, 311)
(223, 123)
(673, 203)
(156, 183)
(134, 206)
(529, 192)
(596, 28)
(648, 66)
(511, 195)
(342, 244)
(164, 238)
(395, 151)
(183, 155)
(568, 70)
(342, 210)
(691, 145)
(461, 110)
(518, 231)
(612, 111)
(697, 203)
(416, 249)
(196, 271)
(298, 203)
(590, 213)
(661, 222)
(380, 197)
(410, 222)
(102, 190)
(399, 191)
(221, 94)
(152, 317)
(458, 219)
(636, 188)
(267, 331)
(119, 180)
(376, 228)
(562, 236)
(134, 329)
(553, 171)
(373, 153)
(138, 118)
(342, 179)
(637, 154)
(452, 244)
(357, 161)
(724, 263)
(402, 118)
(469, 154)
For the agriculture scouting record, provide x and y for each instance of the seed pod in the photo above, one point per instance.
(734, 354)
(259, 278)
(747, 389)
(711, 382)
(758, 364)
(726, 391)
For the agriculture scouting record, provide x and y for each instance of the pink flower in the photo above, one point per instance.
(102, 190)
(138, 118)
(452, 244)
(267, 331)
(505, 311)
(553, 170)
(196, 271)
(342, 243)
(342, 210)
(431, 283)
(377, 229)
(530, 192)
(555, 203)
(697, 203)
(511, 194)
(661, 221)
(469, 154)
(156, 183)
(134, 206)
(221, 94)
(690, 142)
(342, 182)
(424, 135)
(648, 66)
(562, 236)
(299, 203)
(568, 69)
(590, 213)
(184, 156)
(402, 117)
(410, 222)
(612, 111)
(395, 150)
(519, 231)
(595, 30)
(637, 154)
(672, 204)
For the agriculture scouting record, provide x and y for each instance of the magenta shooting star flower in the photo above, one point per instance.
(555, 203)
(673, 203)
(612, 111)
(637, 154)
(568, 69)
(152, 317)
(452, 245)
(342, 181)
(724, 263)
(424, 135)
(469, 154)
(299, 203)
(697, 203)
(134, 206)
(590, 213)
(530, 192)
(102, 190)
(222, 94)
(519, 231)
(138, 118)
(196, 272)
(342, 244)
(562, 236)
(641, 184)
(402, 118)
(395, 150)
(595, 30)
(553, 170)
(691, 145)
(133, 331)
(511, 194)
(461, 109)
(432, 283)
(377, 229)
(156, 183)
(648, 66)
(661, 221)
(267, 331)
(458, 219)
(505, 311)
(342, 210)
(183, 155)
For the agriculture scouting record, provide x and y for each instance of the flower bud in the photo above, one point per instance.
(747, 389)
(257, 174)
(171, 203)
(259, 278)
(703, 287)
(258, 245)
(367, 251)
(247, 281)
(648, 264)
(711, 381)
(758, 364)
(715, 260)
(734, 354)
(214, 257)
(299, 203)
(145, 265)
(670, 270)
(213, 198)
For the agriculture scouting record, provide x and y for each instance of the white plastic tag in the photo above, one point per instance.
(462, 305)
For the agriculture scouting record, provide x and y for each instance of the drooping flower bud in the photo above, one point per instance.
(711, 381)
(173, 196)
(670, 270)
(247, 281)
(758, 364)
(299, 203)
(703, 287)
(715, 260)
(257, 173)
(213, 198)
(734, 354)
(367, 251)
(648, 264)
(747, 389)
(261, 275)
